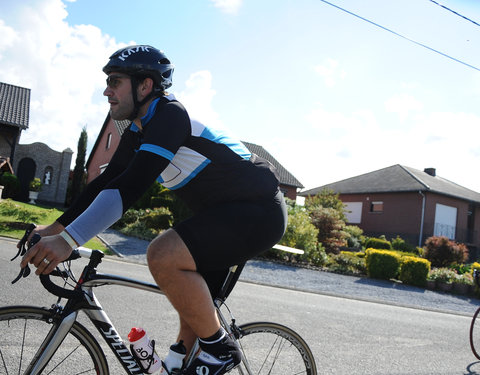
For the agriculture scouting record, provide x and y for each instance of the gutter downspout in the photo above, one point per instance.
(422, 219)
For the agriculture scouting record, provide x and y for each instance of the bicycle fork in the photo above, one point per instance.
(50, 344)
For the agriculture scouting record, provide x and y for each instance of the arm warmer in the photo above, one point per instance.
(117, 197)
(105, 210)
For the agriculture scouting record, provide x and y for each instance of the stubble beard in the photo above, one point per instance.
(121, 111)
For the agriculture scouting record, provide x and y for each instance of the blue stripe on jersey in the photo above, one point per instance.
(218, 137)
(134, 128)
(157, 150)
(150, 112)
(189, 177)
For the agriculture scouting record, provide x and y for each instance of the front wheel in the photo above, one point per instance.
(271, 348)
(23, 330)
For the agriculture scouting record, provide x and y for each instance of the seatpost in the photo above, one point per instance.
(222, 294)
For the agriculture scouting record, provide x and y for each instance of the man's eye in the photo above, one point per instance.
(113, 82)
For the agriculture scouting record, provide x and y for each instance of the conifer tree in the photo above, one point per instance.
(78, 179)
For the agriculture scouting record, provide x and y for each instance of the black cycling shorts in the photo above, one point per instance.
(231, 233)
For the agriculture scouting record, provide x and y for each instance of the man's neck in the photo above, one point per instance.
(141, 113)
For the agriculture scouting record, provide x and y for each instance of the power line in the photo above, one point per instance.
(458, 14)
(402, 36)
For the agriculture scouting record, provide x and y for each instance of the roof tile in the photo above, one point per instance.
(286, 178)
(14, 105)
(395, 179)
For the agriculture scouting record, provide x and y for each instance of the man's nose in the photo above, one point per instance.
(107, 91)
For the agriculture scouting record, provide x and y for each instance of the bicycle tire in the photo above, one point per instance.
(271, 348)
(475, 334)
(23, 329)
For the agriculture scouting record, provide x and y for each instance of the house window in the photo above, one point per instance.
(445, 221)
(109, 141)
(376, 207)
(353, 212)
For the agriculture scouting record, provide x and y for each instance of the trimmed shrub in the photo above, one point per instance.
(300, 232)
(11, 185)
(442, 252)
(146, 224)
(355, 236)
(382, 264)
(400, 244)
(378, 243)
(158, 218)
(348, 262)
(414, 271)
(318, 256)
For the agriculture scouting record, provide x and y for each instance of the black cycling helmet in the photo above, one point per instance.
(140, 62)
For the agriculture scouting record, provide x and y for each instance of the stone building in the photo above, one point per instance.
(32, 160)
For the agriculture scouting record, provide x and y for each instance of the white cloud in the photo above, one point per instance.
(228, 6)
(340, 146)
(330, 72)
(403, 105)
(61, 64)
(8, 39)
(197, 98)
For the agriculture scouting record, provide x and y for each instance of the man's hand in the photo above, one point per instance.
(45, 230)
(46, 254)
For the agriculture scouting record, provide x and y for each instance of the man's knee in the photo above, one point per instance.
(159, 252)
(168, 251)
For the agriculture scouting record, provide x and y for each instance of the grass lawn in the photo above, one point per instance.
(15, 216)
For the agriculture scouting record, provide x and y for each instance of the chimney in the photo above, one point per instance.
(430, 171)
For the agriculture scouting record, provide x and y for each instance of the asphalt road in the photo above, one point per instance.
(346, 335)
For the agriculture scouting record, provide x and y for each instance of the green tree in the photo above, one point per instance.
(327, 198)
(78, 179)
(327, 213)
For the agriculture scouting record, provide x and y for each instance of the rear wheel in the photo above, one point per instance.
(271, 348)
(475, 334)
(24, 328)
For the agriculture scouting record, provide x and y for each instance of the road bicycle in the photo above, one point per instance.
(40, 340)
(475, 325)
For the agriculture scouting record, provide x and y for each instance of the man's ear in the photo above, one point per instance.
(145, 88)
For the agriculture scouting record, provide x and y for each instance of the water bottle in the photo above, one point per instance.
(143, 349)
(174, 360)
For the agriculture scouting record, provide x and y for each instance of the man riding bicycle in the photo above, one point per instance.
(238, 210)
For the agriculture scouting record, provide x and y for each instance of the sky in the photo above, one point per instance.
(331, 89)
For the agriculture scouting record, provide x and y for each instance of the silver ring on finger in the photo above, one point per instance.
(46, 261)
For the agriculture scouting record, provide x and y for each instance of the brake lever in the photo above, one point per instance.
(21, 249)
(25, 271)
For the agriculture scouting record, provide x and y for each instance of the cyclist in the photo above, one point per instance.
(234, 195)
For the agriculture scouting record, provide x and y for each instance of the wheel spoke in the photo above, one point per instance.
(273, 349)
(25, 331)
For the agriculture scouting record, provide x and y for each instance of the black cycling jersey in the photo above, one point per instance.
(203, 166)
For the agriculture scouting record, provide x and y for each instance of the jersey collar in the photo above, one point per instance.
(145, 119)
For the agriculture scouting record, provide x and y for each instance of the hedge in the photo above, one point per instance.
(378, 243)
(414, 271)
(382, 264)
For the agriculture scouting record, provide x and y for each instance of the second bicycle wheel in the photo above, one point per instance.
(24, 328)
(271, 348)
(475, 334)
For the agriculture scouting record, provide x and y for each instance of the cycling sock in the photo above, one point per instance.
(217, 336)
(219, 354)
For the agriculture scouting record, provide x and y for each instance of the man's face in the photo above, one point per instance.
(119, 93)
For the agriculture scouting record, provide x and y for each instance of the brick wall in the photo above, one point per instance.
(47, 160)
